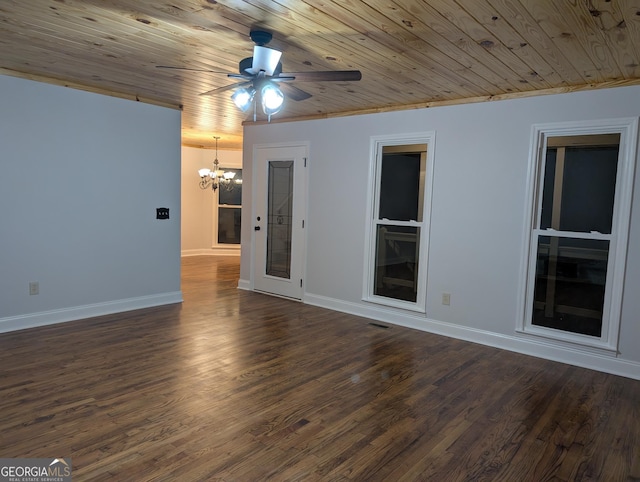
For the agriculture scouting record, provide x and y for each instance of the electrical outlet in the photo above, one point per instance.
(34, 288)
(446, 299)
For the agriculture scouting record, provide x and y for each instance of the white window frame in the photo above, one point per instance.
(618, 239)
(375, 168)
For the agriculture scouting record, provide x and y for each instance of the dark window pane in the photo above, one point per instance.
(588, 189)
(231, 192)
(229, 225)
(587, 192)
(400, 187)
(396, 274)
(547, 193)
(570, 284)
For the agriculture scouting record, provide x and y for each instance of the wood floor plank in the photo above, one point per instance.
(239, 386)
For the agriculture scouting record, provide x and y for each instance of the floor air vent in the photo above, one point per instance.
(378, 325)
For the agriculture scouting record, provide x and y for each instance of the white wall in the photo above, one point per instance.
(476, 242)
(81, 177)
(199, 216)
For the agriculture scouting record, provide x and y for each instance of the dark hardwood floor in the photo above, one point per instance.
(239, 386)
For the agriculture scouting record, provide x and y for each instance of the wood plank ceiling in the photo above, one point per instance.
(412, 53)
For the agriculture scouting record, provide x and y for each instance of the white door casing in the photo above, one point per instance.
(278, 219)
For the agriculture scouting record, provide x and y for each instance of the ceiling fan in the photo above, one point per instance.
(260, 78)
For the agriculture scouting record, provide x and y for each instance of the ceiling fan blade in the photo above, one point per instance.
(226, 87)
(281, 78)
(293, 92)
(191, 70)
(325, 76)
(240, 76)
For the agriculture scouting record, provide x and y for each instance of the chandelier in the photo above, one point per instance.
(216, 178)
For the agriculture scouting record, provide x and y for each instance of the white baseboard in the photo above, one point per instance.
(216, 251)
(527, 346)
(32, 320)
(244, 284)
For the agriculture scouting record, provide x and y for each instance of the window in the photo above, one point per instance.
(577, 242)
(229, 209)
(397, 235)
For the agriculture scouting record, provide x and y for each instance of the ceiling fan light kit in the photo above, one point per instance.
(272, 99)
(243, 98)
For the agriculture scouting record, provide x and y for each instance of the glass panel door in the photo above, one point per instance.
(279, 193)
(279, 218)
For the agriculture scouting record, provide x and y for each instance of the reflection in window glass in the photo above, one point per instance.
(229, 225)
(230, 195)
(570, 284)
(233, 196)
(396, 268)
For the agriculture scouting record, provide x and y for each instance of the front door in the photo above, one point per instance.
(278, 220)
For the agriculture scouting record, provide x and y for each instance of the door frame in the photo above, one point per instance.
(304, 194)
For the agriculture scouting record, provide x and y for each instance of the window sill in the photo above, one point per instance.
(577, 342)
(399, 304)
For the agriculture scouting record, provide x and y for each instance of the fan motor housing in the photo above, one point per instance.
(248, 62)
